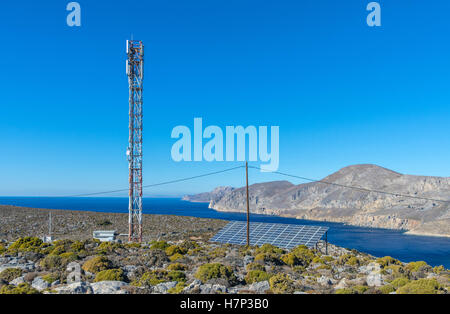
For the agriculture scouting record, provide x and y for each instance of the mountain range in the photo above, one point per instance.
(362, 195)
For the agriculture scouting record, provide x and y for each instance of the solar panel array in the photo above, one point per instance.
(281, 235)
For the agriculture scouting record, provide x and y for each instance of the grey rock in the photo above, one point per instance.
(325, 281)
(75, 288)
(248, 259)
(17, 281)
(375, 279)
(164, 286)
(193, 285)
(40, 284)
(109, 287)
(260, 287)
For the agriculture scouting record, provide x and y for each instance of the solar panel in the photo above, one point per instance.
(281, 235)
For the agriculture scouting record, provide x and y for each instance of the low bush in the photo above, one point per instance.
(399, 282)
(23, 288)
(177, 289)
(387, 261)
(152, 278)
(386, 289)
(52, 262)
(214, 271)
(110, 274)
(176, 266)
(10, 274)
(416, 266)
(256, 276)
(2, 248)
(26, 244)
(281, 283)
(176, 275)
(254, 266)
(50, 278)
(96, 264)
(176, 257)
(159, 245)
(108, 247)
(175, 249)
(421, 286)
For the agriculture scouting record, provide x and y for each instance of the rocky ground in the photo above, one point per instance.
(18, 222)
(184, 262)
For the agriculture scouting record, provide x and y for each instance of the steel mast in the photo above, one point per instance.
(135, 73)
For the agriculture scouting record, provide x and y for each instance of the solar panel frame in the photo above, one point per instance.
(285, 236)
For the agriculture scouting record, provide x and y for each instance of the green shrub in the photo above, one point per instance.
(2, 248)
(399, 282)
(387, 260)
(346, 291)
(10, 274)
(77, 246)
(281, 283)
(360, 289)
(110, 274)
(50, 278)
(176, 266)
(386, 289)
(256, 276)
(177, 289)
(58, 250)
(26, 244)
(159, 245)
(269, 248)
(416, 266)
(268, 257)
(96, 264)
(23, 288)
(176, 257)
(438, 269)
(255, 266)
(353, 261)
(108, 247)
(68, 257)
(175, 249)
(218, 252)
(215, 270)
(421, 286)
(152, 278)
(299, 256)
(176, 275)
(52, 262)
(189, 245)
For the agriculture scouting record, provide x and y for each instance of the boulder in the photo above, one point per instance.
(17, 281)
(164, 286)
(342, 284)
(39, 284)
(259, 287)
(193, 285)
(75, 288)
(109, 287)
(325, 281)
(375, 279)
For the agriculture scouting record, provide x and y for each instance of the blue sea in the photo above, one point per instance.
(378, 242)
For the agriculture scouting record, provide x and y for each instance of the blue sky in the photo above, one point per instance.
(342, 93)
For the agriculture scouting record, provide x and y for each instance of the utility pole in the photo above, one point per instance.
(135, 73)
(248, 205)
(50, 224)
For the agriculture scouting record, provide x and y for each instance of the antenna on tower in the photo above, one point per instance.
(135, 73)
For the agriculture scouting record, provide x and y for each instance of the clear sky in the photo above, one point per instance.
(342, 93)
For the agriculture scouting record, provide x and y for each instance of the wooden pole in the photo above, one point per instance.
(248, 206)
